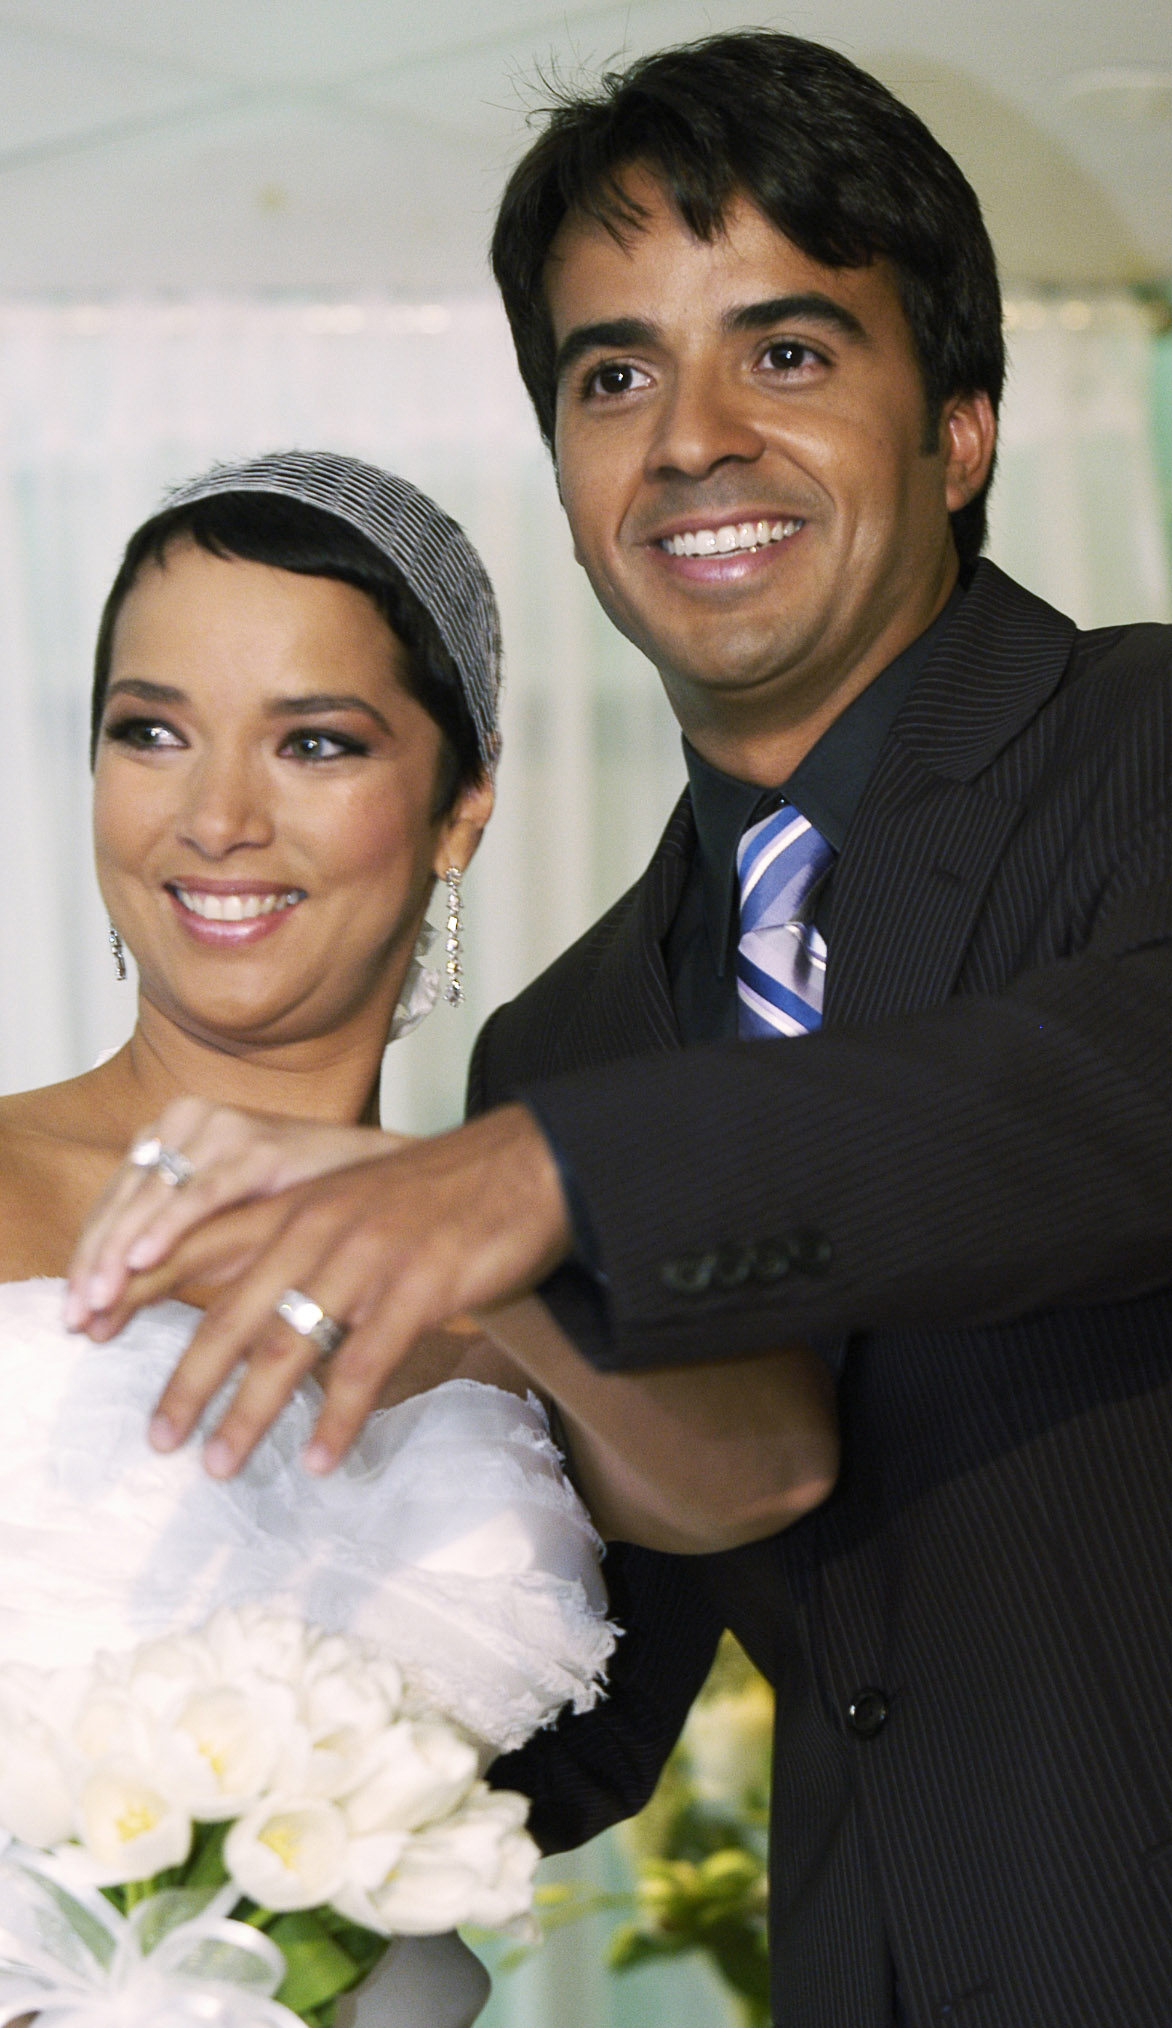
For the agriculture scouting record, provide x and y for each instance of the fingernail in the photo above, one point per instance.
(101, 1290)
(317, 1458)
(74, 1310)
(141, 1254)
(218, 1458)
(162, 1433)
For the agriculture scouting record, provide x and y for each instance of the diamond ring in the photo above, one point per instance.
(172, 1164)
(310, 1322)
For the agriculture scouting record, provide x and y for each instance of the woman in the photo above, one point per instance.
(294, 735)
(294, 726)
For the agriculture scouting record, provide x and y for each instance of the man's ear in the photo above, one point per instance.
(461, 830)
(968, 439)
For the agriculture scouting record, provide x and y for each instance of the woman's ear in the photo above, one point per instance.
(460, 831)
(969, 439)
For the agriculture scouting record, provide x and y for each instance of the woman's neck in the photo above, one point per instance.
(332, 1077)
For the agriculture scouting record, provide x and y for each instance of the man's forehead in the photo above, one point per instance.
(605, 266)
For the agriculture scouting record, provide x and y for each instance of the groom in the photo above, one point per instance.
(918, 1109)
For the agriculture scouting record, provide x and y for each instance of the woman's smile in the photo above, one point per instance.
(227, 915)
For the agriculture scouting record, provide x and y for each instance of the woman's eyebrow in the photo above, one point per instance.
(147, 693)
(325, 700)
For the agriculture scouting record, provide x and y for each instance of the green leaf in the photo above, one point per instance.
(205, 1867)
(317, 1966)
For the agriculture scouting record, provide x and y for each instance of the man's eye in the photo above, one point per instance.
(616, 377)
(146, 734)
(321, 746)
(788, 355)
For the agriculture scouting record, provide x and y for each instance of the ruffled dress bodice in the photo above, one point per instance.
(449, 1534)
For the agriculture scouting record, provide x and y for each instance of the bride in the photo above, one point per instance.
(294, 734)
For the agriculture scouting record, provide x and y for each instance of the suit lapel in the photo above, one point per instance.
(933, 824)
(628, 1009)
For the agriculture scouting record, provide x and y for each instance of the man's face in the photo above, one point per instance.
(741, 452)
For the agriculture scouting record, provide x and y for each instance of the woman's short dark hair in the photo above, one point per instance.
(826, 152)
(292, 535)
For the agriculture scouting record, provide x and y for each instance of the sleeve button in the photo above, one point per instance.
(734, 1265)
(771, 1260)
(689, 1275)
(811, 1252)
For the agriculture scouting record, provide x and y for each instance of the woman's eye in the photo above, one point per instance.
(148, 735)
(618, 376)
(321, 746)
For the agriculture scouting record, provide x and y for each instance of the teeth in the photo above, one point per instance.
(734, 535)
(236, 907)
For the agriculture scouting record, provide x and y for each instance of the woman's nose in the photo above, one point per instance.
(226, 806)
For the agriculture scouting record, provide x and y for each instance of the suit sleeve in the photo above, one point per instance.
(998, 1154)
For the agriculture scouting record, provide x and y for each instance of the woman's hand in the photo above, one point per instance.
(222, 1157)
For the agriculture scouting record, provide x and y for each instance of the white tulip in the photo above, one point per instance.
(476, 1866)
(36, 1802)
(288, 1854)
(128, 1828)
(255, 1640)
(217, 1755)
(415, 1773)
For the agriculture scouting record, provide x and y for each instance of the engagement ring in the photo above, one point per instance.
(310, 1322)
(172, 1164)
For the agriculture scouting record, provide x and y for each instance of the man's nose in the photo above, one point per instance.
(703, 421)
(227, 806)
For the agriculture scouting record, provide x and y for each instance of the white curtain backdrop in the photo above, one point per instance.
(103, 405)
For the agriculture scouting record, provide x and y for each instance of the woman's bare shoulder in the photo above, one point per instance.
(49, 1168)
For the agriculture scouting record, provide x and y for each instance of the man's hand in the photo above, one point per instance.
(232, 1157)
(388, 1248)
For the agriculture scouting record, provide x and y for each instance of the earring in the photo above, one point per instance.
(118, 953)
(453, 969)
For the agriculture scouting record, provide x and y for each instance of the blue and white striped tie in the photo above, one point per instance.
(781, 957)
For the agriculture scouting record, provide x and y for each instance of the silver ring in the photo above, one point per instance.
(172, 1164)
(310, 1322)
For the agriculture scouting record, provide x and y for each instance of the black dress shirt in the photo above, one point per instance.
(826, 786)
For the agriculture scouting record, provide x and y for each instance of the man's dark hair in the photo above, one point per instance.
(292, 535)
(826, 152)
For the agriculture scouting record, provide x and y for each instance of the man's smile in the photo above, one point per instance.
(727, 537)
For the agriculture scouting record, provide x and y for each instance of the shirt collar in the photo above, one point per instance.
(826, 786)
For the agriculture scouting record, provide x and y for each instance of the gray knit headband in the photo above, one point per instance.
(430, 551)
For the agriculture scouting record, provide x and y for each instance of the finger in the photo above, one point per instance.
(133, 1195)
(213, 1253)
(244, 1327)
(276, 1358)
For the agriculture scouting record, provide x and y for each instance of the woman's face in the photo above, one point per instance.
(264, 795)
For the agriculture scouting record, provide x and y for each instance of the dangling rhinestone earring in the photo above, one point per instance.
(119, 954)
(453, 969)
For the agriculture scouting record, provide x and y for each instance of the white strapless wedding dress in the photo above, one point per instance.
(449, 1534)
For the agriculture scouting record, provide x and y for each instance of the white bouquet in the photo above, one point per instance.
(226, 1825)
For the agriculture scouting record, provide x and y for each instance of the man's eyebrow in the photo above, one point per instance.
(621, 332)
(809, 308)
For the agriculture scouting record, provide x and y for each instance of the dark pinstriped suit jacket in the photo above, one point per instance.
(983, 1133)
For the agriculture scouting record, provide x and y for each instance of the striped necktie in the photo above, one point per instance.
(781, 957)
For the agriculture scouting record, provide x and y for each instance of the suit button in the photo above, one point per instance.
(771, 1260)
(690, 1275)
(866, 1714)
(734, 1265)
(811, 1252)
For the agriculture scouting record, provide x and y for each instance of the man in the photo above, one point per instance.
(757, 310)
